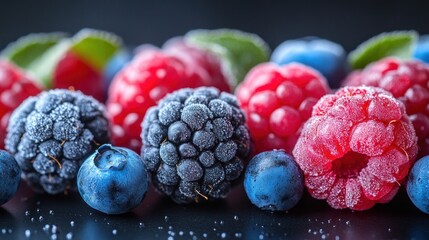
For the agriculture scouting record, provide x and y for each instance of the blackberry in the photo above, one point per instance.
(50, 134)
(194, 144)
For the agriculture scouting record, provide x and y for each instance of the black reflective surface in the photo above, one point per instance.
(34, 215)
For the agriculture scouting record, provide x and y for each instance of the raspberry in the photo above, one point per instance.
(194, 144)
(277, 101)
(15, 87)
(407, 81)
(356, 148)
(148, 78)
(73, 71)
(52, 133)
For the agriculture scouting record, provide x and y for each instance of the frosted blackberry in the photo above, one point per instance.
(50, 134)
(194, 144)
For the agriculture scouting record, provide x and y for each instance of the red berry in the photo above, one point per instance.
(144, 81)
(73, 72)
(409, 82)
(357, 146)
(277, 101)
(15, 87)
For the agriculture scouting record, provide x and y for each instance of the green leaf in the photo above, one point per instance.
(37, 53)
(240, 51)
(30, 48)
(396, 44)
(96, 47)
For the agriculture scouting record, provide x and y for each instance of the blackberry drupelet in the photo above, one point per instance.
(194, 144)
(50, 134)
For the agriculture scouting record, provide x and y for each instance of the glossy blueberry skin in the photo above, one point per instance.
(10, 176)
(113, 180)
(418, 184)
(421, 50)
(327, 57)
(273, 181)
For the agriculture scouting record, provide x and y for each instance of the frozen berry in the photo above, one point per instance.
(149, 77)
(273, 181)
(15, 87)
(10, 177)
(73, 72)
(200, 154)
(356, 148)
(277, 101)
(407, 81)
(327, 57)
(113, 180)
(50, 134)
(418, 184)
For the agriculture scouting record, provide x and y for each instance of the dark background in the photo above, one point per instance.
(346, 22)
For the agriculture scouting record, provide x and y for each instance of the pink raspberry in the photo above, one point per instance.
(357, 146)
(408, 81)
(277, 100)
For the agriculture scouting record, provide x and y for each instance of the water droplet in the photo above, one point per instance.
(236, 218)
(181, 233)
(40, 219)
(32, 219)
(323, 236)
(191, 233)
(337, 237)
(54, 236)
(223, 235)
(389, 229)
(69, 235)
(72, 223)
(238, 235)
(347, 222)
(166, 218)
(54, 229)
(141, 225)
(160, 228)
(51, 212)
(221, 222)
(10, 230)
(27, 233)
(27, 213)
(38, 210)
(170, 238)
(3, 231)
(46, 227)
(261, 236)
(114, 231)
(320, 231)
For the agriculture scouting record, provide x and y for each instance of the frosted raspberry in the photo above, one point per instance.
(357, 146)
(408, 81)
(277, 101)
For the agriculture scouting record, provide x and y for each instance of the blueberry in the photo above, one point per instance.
(273, 181)
(418, 184)
(10, 178)
(421, 50)
(327, 57)
(113, 180)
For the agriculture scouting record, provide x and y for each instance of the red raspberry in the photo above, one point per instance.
(72, 71)
(356, 148)
(15, 87)
(142, 83)
(408, 81)
(277, 101)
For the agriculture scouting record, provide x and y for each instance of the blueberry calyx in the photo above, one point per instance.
(109, 157)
